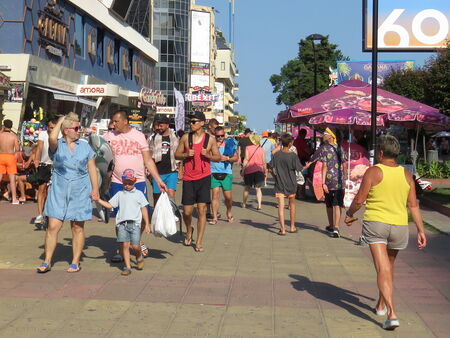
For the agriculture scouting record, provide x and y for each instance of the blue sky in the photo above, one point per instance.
(267, 34)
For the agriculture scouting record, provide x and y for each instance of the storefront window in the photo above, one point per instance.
(100, 39)
(116, 56)
(79, 35)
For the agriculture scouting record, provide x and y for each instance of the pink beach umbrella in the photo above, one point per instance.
(348, 118)
(417, 119)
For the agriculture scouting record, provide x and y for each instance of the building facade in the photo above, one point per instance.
(225, 85)
(71, 55)
(171, 37)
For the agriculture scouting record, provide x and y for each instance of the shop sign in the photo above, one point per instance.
(136, 118)
(165, 110)
(98, 90)
(152, 98)
(200, 96)
(54, 50)
(52, 29)
(5, 67)
(63, 85)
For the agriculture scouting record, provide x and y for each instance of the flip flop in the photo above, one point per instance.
(46, 267)
(199, 249)
(280, 233)
(212, 222)
(293, 232)
(230, 219)
(188, 241)
(74, 267)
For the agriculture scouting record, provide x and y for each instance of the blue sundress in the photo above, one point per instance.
(68, 197)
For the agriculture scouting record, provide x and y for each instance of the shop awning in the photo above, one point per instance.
(64, 96)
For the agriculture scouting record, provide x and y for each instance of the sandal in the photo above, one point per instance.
(126, 271)
(74, 268)
(43, 268)
(188, 241)
(281, 233)
(230, 219)
(140, 264)
(199, 249)
(212, 222)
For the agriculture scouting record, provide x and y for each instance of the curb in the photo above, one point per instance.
(435, 206)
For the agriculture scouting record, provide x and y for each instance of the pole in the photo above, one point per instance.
(315, 67)
(315, 88)
(373, 130)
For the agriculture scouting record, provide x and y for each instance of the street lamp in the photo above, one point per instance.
(312, 38)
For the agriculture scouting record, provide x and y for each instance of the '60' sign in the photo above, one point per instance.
(402, 26)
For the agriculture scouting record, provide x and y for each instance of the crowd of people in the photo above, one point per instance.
(66, 179)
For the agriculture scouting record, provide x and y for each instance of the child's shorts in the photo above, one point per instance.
(129, 231)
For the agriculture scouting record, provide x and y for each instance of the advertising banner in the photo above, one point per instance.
(218, 105)
(200, 36)
(137, 117)
(405, 25)
(362, 70)
(179, 113)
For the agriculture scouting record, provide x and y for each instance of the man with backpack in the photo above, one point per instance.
(197, 149)
(162, 149)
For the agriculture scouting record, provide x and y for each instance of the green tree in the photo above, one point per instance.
(438, 81)
(296, 79)
(408, 83)
(429, 84)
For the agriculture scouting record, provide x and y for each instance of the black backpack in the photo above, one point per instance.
(205, 141)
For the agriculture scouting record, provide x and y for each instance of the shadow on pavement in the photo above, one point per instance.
(330, 293)
(322, 231)
(63, 253)
(262, 226)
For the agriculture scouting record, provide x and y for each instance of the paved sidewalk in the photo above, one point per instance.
(248, 282)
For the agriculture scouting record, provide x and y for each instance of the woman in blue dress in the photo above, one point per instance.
(74, 185)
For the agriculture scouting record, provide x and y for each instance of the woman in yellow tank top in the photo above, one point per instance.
(388, 190)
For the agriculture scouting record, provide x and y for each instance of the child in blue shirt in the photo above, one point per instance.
(132, 209)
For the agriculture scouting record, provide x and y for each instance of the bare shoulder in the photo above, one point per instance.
(374, 173)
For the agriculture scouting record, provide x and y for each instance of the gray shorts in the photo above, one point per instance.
(129, 231)
(394, 236)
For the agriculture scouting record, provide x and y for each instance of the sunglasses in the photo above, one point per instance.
(76, 129)
(194, 121)
(220, 135)
(110, 128)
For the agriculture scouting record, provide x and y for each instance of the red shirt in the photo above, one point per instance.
(197, 167)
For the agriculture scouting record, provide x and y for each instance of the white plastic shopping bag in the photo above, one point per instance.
(163, 219)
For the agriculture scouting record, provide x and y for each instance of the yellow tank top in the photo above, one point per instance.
(386, 201)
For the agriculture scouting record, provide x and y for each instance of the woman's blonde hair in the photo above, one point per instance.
(70, 118)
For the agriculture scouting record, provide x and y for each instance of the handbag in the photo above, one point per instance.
(299, 177)
(259, 146)
(219, 176)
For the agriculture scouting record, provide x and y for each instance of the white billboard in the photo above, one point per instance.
(200, 36)
(220, 92)
(199, 80)
(405, 25)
